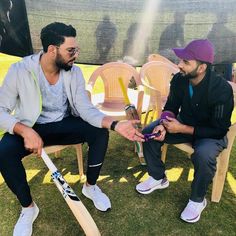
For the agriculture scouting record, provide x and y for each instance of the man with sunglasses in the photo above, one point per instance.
(43, 102)
(198, 110)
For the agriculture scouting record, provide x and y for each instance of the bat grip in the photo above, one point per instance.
(123, 89)
(48, 162)
(138, 126)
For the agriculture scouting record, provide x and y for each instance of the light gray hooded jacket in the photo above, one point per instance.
(21, 101)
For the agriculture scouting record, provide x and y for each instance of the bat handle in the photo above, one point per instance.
(48, 162)
(122, 86)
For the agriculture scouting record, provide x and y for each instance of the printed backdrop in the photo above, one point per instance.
(14, 29)
(111, 30)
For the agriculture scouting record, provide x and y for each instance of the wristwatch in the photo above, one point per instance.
(113, 124)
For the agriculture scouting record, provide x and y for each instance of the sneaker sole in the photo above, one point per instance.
(87, 196)
(196, 219)
(35, 217)
(163, 186)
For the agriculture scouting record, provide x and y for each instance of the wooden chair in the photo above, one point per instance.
(233, 85)
(57, 148)
(113, 104)
(151, 110)
(158, 75)
(222, 159)
(152, 106)
(158, 57)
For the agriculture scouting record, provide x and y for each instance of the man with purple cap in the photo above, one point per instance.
(198, 110)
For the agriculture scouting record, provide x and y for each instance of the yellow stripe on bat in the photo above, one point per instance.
(122, 86)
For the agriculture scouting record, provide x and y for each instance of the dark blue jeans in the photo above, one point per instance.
(70, 130)
(204, 159)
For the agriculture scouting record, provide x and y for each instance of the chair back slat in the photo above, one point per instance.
(158, 75)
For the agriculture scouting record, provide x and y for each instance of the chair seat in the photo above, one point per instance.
(114, 108)
(55, 148)
(186, 147)
(111, 106)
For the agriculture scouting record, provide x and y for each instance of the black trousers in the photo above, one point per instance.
(70, 130)
(204, 159)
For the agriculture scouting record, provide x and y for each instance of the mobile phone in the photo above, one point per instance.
(148, 137)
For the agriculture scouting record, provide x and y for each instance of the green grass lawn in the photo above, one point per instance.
(132, 213)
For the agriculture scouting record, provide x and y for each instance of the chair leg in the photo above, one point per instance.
(79, 154)
(219, 179)
(57, 153)
(163, 152)
(139, 149)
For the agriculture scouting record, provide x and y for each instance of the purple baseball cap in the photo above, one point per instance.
(199, 49)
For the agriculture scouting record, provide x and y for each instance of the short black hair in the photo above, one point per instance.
(209, 65)
(55, 33)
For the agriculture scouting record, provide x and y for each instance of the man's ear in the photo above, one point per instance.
(52, 49)
(202, 68)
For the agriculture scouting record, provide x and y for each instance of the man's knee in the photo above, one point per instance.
(4, 149)
(204, 157)
(149, 128)
(103, 133)
(100, 136)
(11, 146)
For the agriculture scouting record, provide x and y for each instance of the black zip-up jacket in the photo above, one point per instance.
(208, 110)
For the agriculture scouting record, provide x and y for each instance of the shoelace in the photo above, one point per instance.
(97, 191)
(193, 207)
(152, 182)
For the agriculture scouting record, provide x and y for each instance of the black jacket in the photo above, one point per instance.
(208, 110)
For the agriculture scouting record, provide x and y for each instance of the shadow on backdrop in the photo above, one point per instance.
(106, 34)
(224, 41)
(172, 36)
(129, 42)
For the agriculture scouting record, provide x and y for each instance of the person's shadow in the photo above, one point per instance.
(172, 36)
(106, 34)
(224, 41)
(129, 44)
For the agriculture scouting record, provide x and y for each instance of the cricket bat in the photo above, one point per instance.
(77, 207)
(132, 114)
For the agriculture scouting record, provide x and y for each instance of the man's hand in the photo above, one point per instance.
(160, 128)
(172, 125)
(32, 140)
(127, 129)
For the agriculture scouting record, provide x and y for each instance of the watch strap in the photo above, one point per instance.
(113, 124)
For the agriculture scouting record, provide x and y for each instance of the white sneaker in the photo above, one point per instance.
(192, 212)
(100, 199)
(151, 184)
(24, 225)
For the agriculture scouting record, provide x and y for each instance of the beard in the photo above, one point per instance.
(191, 75)
(61, 64)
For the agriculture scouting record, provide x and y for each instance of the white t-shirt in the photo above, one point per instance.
(55, 103)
